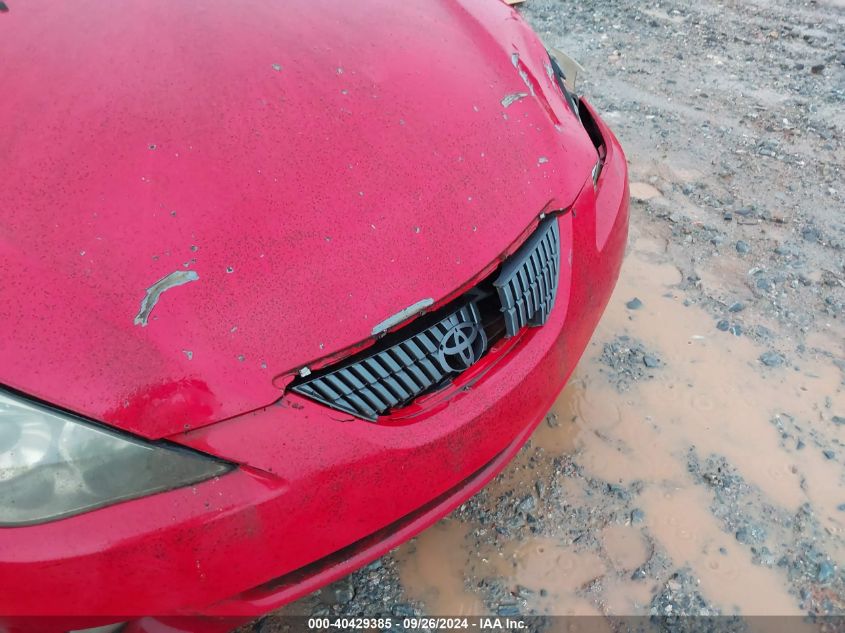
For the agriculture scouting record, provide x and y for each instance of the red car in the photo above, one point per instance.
(283, 283)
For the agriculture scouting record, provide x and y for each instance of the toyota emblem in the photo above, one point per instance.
(461, 346)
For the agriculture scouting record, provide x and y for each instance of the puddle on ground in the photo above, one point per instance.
(625, 546)
(711, 395)
(435, 563)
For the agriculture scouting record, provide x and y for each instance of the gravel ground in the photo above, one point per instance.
(732, 116)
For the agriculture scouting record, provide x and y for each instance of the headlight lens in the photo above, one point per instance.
(53, 465)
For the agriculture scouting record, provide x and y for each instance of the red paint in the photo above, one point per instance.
(264, 170)
(256, 163)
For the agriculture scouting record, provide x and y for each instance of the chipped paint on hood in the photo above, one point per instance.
(318, 164)
(153, 293)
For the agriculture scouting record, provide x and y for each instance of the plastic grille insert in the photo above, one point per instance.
(392, 377)
(528, 282)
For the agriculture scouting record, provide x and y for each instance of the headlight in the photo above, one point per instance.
(53, 465)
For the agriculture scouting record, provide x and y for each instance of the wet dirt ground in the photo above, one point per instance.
(695, 462)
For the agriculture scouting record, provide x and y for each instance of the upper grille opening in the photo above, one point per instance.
(429, 353)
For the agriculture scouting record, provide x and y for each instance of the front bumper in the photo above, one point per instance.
(317, 496)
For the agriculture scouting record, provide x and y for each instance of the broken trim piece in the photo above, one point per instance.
(570, 68)
(176, 278)
(400, 316)
(512, 98)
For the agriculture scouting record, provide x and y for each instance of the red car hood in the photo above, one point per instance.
(297, 172)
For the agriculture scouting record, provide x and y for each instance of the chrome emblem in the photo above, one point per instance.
(461, 346)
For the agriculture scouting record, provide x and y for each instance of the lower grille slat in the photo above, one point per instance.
(407, 382)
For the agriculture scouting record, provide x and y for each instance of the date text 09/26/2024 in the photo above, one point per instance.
(429, 624)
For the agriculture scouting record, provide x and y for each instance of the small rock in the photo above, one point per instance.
(344, 593)
(634, 304)
(817, 69)
(826, 572)
(828, 454)
(771, 359)
(402, 610)
(810, 234)
(515, 522)
(838, 420)
(735, 329)
(742, 247)
(651, 361)
(841, 507)
(737, 306)
(764, 283)
(639, 574)
(527, 504)
(637, 516)
(723, 325)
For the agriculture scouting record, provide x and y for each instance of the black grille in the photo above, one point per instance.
(416, 360)
(528, 281)
(393, 377)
